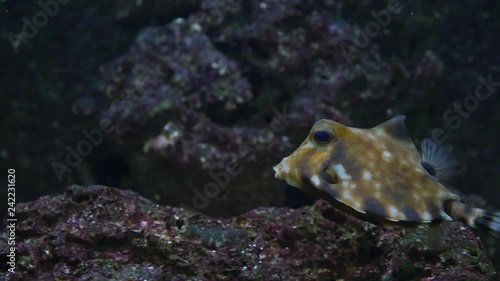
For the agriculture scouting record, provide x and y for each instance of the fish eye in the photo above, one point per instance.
(323, 136)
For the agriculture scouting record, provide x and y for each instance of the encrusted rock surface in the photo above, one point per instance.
(101, 233)
(232, 82)
(279, 53)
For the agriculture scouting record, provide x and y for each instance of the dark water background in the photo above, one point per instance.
(188, 87)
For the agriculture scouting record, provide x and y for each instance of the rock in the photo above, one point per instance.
(230, 83)
(102, 233)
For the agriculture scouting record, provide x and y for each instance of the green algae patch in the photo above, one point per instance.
(213, 237)
(164, 105)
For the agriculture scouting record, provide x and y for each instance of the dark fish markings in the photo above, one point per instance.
(374, 206)
(433, 209)
(411, 214)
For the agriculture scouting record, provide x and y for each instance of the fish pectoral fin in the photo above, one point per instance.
(322, 182)
(330, 189)
(437, 160)
(330, 175)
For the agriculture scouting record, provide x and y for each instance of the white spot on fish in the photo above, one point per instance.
(387, 156)
(352, 185)
(367, 175)
(381, 133)
(339, 169)
(416, 196)
(357, 206)
(426, 216)
(315, 180)
(341, 173)
(347, 195)
(393, 211)
(377, 186)
(377, 194)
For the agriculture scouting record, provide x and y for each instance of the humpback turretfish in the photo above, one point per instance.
(378, 175)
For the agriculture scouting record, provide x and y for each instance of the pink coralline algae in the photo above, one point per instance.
(101, 233)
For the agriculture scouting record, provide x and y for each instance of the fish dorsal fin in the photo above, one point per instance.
(395, 131)
(395, 128)
(438, 160)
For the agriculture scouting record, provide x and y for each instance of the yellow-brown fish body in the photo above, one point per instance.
(375, 174)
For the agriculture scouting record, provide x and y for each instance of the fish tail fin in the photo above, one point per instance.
(491, 222)
(475, 217)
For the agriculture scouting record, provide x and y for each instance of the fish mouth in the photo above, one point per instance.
(278, 172)
(283, 172)
(280, 169)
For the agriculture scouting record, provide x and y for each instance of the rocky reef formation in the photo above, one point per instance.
(101, 233)
(200, 93)
(211, 85)
(232, 84)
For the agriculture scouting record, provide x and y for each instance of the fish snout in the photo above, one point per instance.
(281, 170)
